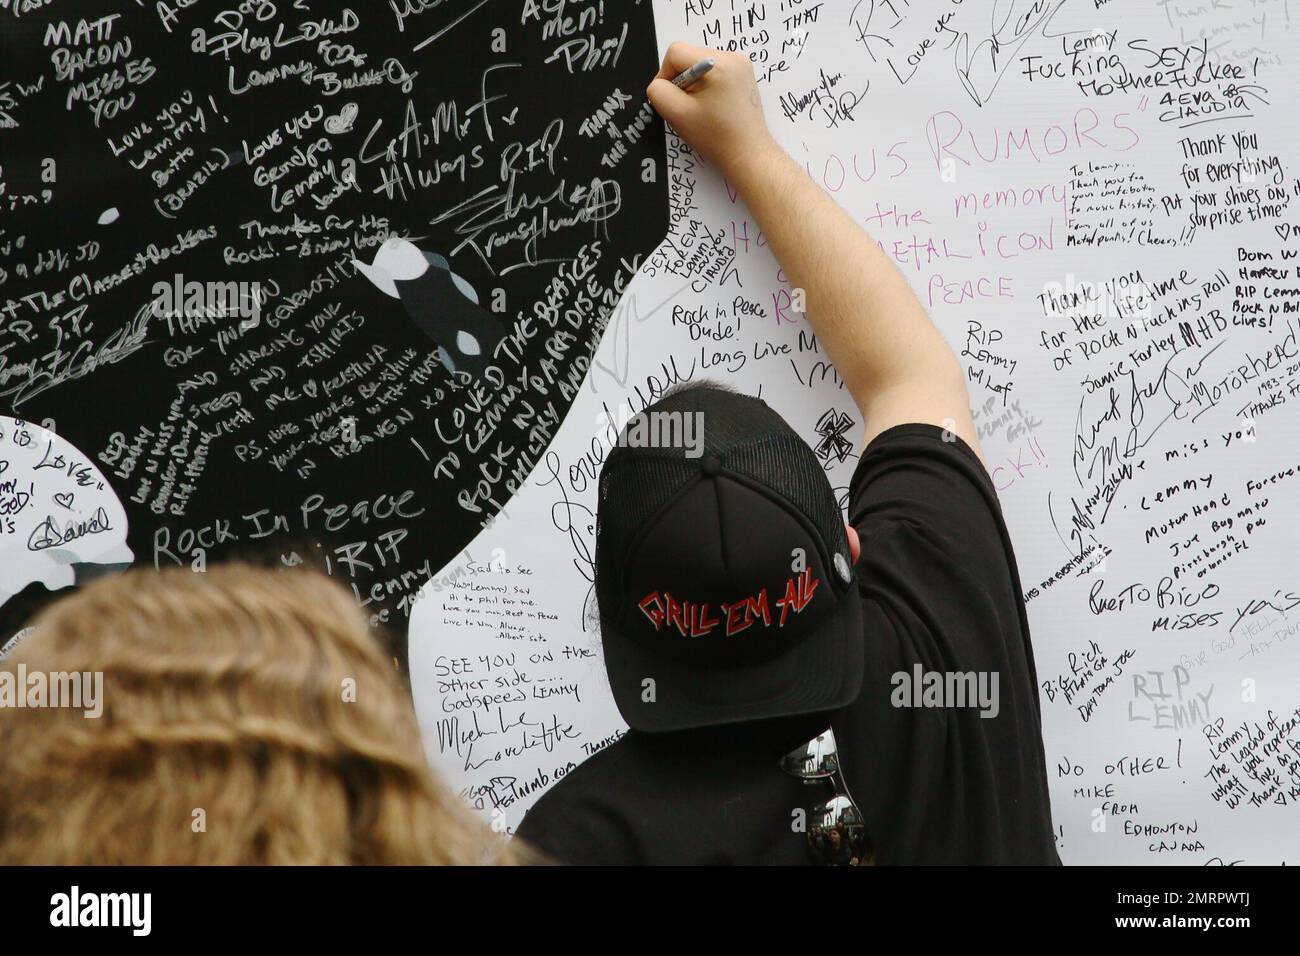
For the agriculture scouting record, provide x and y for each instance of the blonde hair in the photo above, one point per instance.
(224, 703)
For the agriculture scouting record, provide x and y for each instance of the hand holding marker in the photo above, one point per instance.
(720, 116)
(688, 76)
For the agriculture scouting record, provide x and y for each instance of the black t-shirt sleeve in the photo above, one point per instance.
(580, 833)
(941, 595)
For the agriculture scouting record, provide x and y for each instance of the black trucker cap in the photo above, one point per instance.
(723, 575)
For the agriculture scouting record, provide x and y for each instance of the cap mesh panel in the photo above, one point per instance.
(747, 437)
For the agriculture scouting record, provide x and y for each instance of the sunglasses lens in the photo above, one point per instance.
(815, 760)
(837, 834)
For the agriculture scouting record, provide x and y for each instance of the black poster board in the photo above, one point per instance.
(307, 280)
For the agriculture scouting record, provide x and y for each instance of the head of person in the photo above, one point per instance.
(724, 571)
(245, 716)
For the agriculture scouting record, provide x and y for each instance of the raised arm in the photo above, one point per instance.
(890, 356)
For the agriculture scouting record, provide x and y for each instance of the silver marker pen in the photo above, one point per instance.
(687, 77)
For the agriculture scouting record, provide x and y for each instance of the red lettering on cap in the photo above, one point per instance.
(748, 609)
(734, 614)
(695, 620)
(675, 613)
(758, 605)
(701, 624)
(652, 608)
(798, 592)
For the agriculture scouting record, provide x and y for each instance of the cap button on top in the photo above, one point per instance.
(710, 465)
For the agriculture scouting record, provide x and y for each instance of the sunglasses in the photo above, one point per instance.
(837, 832)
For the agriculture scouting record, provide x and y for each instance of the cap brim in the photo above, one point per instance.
(821, 672)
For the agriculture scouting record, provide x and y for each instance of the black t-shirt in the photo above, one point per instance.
(940, 784)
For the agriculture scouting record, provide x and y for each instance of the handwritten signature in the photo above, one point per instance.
(47, 534)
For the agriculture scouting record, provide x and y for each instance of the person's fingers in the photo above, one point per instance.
(671, 103)
(682, 56)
